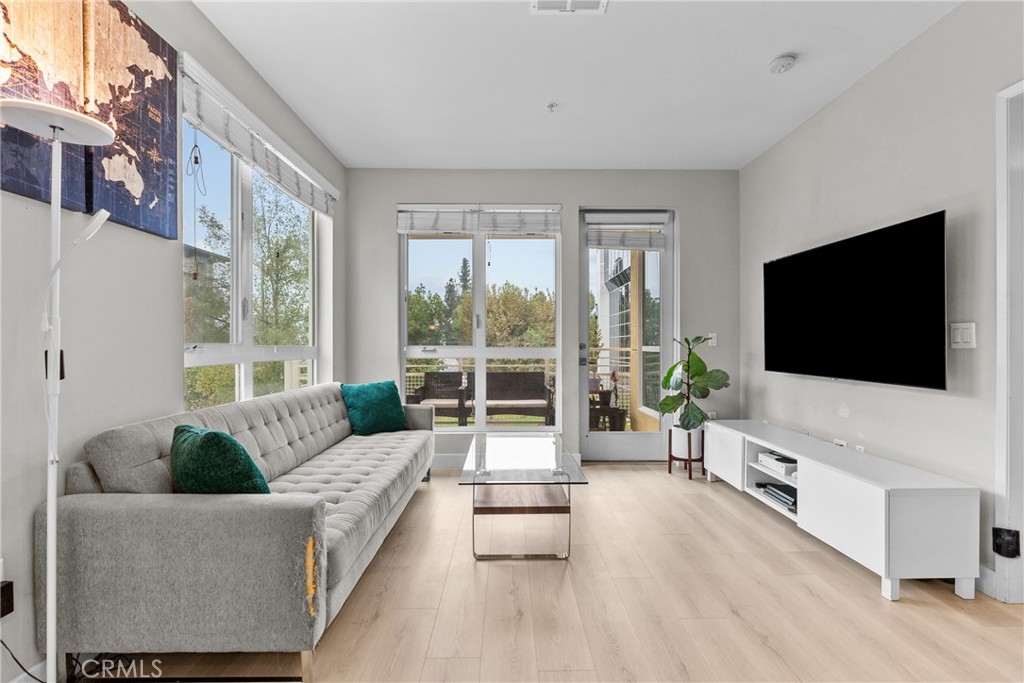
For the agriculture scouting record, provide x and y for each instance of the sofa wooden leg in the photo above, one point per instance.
(307, 666)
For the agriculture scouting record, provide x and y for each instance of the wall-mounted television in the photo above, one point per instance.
(870, 308)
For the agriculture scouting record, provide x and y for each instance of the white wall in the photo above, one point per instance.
(706, 203)
(122, 320)
(915, 135)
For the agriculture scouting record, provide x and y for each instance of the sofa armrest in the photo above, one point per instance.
(186, 573)
(419, 417)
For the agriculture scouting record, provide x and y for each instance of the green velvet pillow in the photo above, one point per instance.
(206, 461)
(374, 407)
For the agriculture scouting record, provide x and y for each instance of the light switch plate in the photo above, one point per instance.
(961, 336)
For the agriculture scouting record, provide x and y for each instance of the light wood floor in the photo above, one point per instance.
(669, 580)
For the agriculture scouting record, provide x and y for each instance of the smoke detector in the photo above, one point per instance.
(568, 6)
(782, 63)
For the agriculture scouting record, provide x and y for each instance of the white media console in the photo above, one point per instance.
(898, 521)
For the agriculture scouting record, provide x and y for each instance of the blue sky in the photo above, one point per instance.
(216, 170)
(526, 263)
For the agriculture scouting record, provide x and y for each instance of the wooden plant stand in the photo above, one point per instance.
(689, 459)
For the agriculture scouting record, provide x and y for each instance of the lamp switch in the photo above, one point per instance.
(961, 336)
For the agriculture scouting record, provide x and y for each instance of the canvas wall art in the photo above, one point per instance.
(98, 58)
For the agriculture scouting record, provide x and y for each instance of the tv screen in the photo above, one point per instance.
(869, 308)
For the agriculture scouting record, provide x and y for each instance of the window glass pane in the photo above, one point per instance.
(274, 376)
(282, 292)
(210, 385)
(445, 383)
(650, 309)
(440, 306)
(206, 223)
(520, 392)
(520, 291)
(625, 337)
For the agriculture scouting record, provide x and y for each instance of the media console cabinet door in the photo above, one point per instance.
(723, 454)
(844, 512)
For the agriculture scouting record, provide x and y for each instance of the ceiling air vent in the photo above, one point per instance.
(568, 6)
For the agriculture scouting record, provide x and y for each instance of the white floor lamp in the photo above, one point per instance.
(58, 125)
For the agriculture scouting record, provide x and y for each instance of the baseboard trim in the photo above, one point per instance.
(446, 461)
(986, 583)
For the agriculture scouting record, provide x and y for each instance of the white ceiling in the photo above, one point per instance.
(652, 85)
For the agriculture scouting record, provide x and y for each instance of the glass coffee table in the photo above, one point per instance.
(521, 474)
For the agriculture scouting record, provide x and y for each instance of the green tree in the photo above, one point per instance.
(281, 267)
(594, 331)
(465, 279)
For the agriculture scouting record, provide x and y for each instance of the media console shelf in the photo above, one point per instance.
(899, 521)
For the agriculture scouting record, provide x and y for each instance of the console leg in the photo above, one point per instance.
(307, 666)
(964, 588)
(890, 589)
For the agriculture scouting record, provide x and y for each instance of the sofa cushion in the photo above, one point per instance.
(207, 461)
(374, 407)
(279, 432)
(360, 478)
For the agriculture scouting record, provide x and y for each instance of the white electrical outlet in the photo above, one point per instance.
(712, 338)
(859, 448)
(839, 442)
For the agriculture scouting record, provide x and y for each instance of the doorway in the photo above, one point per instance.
(626, 302)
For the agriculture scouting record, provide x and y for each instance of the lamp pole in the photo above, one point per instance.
(58, 125)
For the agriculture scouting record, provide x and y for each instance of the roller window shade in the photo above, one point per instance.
(205, 104)
(473, 218)
(633, 231)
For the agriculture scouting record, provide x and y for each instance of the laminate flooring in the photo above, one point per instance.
(669, 580)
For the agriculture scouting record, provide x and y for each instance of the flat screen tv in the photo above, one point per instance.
(870, 308)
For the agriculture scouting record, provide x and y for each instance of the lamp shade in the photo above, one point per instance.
(40, 118)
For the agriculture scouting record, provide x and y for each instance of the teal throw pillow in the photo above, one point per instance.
(206, 461)
(374, 407)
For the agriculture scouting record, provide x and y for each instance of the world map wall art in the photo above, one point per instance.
(95, 57)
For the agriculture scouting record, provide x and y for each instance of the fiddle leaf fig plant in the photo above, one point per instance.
(690, 379)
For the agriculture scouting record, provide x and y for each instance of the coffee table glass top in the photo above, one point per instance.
(520, 458)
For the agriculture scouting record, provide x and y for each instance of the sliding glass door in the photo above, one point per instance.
(480, 318)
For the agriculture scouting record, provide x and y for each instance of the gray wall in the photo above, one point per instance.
(122, 319)
(706, 203)
(914, 136)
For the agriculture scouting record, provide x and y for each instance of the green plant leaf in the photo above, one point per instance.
(667, 379)
(670, 404)
(699, 391)
(712, 379)
(696, 366)
(692, 416)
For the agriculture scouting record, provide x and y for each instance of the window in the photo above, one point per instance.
(480, 315)
(248, 279)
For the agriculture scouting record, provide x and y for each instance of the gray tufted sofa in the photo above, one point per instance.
(142, 569)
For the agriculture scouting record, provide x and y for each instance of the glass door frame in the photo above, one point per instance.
(479, 352)
(639, 446)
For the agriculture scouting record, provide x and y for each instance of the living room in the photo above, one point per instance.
(729, 135)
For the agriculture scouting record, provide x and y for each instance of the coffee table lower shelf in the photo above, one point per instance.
(522, 499)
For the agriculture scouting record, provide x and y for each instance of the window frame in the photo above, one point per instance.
(241, 351)
(478, 351)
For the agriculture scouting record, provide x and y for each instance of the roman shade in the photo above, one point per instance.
(500, 219)
(640, 230)
(215, 111)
